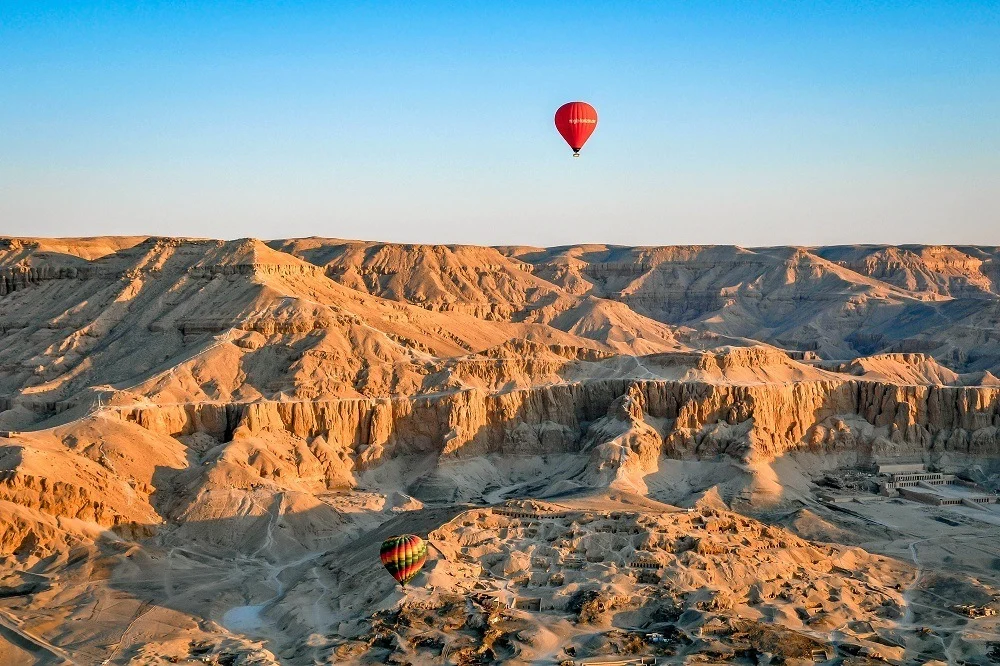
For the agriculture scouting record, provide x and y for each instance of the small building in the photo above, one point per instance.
(645, 563)
(528, 604)
(885, 469)
(927, 494)
(909, 476)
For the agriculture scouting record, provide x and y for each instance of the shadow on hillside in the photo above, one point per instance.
(236, 571)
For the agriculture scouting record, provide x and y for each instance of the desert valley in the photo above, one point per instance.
(711, 454)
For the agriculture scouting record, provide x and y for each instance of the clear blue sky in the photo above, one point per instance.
(720, 122)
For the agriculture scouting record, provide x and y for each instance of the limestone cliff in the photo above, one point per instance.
(776, 418)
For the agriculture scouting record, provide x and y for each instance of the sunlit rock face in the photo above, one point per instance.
(203, 443)
(695, 418)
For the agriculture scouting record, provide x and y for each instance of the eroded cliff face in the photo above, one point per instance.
(170, 407)
(757, 421)
(298, 366)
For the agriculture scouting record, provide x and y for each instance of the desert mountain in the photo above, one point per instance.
(204, 443)
(843, 301)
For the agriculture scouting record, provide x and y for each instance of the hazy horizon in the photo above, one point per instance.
(555, 246)
(771, 124)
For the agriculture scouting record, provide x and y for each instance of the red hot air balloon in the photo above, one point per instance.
(403, 557)
(576, 121)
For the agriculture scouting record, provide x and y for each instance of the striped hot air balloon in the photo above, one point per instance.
(403, 556)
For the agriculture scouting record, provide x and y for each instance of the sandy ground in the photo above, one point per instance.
(588, 575)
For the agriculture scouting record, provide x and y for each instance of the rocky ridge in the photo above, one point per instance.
(169, 406)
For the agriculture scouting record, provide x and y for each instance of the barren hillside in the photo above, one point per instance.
(643, 451)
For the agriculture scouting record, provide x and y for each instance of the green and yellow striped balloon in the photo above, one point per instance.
(403, 556)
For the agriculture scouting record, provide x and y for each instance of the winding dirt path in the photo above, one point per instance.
(48, 653)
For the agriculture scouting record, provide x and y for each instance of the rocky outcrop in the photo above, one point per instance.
(701, 419)
(623, 447)
(57, 498)
(21, 277)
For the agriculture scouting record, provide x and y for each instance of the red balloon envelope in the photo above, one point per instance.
(576, 121)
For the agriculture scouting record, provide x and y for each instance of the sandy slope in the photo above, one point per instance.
(215, 436)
